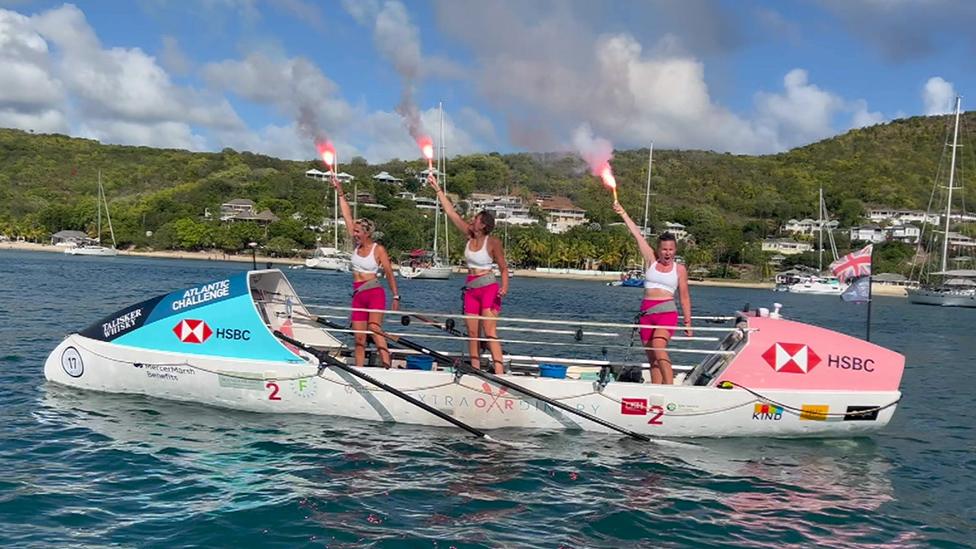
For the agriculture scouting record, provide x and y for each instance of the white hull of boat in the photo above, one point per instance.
(816, 288)
(277, 387)
(437, 272)
(923, 296)
(95, 251)
(328, 264)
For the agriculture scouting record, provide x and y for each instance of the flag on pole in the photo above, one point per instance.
(859, 291)
(853, 265)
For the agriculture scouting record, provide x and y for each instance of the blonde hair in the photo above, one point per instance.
(366, 225)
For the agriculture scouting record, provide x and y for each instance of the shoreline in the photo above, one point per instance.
(559, 274)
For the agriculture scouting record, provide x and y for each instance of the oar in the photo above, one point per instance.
(468, 369)
(324, 357)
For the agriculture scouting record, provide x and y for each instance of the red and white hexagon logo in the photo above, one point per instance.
(192, 331)
(793, 358)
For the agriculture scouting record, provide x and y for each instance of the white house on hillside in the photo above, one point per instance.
(511, 210)
(561, 214)
(786, 247)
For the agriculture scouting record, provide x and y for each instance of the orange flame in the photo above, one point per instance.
(427, 149)
(327, 152)
(606, 174)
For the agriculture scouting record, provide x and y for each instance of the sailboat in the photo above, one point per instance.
(423, 264)
(956, 287)
(97, 249)
(635, 277)
(820, 283)
(331, 258)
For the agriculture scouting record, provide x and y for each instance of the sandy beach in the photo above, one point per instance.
(877, 289)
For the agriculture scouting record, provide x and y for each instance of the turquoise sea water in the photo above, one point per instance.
(89, 469)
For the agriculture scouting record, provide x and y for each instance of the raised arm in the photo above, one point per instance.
(685, 296)
(497, 252)
(645, 249)
(452, 214)
(344, 207)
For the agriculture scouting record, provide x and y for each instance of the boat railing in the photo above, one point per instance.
(615, 343)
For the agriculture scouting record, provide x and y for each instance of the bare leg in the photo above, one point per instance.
(376, 325)
(494, 346)
(473, 343)
(662, 362)
(360, 352)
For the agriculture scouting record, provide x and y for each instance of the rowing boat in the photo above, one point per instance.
(249, 342)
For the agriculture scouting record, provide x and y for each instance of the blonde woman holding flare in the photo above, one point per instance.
(662, 280)
(368, 257)
(483, 293)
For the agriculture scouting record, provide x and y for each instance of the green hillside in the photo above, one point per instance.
(728, 202)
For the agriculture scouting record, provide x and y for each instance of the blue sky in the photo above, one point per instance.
(269, 76)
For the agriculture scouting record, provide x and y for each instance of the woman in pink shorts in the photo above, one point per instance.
(663, 278)
(483, 293)
(367, 293)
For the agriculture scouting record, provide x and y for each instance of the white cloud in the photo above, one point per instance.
(172, 57)
(938, 96)
(801, 114)
(862, 117)
(27, 86)
(57, 77)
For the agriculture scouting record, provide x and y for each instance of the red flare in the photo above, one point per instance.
(327, 152)
(606, 174)
(427, 149)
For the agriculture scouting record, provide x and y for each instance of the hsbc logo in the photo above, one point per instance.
(192, 331)
(793, 358)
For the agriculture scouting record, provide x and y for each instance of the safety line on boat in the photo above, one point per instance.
(515, 319)
(529, 342)
(726, 384)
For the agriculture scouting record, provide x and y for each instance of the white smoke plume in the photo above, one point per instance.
(596, 151)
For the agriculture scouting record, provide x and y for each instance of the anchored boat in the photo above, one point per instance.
(249, 342)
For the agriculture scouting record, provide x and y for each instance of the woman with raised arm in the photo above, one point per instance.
(482, 292)
(367, 293)
(662, 279)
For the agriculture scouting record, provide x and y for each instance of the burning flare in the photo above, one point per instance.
(606, 174)
(427, 149)
(327, 152)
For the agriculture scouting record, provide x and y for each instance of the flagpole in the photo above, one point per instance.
(867, 337)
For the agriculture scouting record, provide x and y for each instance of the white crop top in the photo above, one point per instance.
(654, 278)
(366, 264)
(480, 259)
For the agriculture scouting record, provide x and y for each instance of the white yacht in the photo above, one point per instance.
(329, 259)
(818, 285)
(952, 287)
(97, 249)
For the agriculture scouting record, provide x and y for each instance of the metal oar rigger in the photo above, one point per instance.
(467, 369)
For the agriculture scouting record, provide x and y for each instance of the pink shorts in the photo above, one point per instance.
(479, 299)
(656, 319)
(374, 298)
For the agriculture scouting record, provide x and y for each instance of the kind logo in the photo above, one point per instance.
(192, 331)
(793, 358)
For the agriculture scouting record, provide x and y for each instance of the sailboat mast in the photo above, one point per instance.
(820, 216)
(108, 216)
(98, 208)
(952, 173)
(647, 191)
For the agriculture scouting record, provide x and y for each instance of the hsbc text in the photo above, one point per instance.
(853, 363)
(233, 333)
